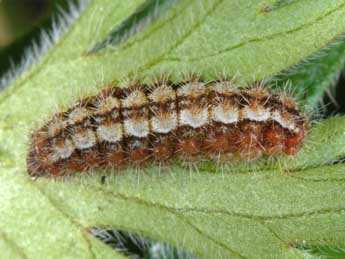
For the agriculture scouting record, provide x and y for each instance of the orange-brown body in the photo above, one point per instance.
(140, 124)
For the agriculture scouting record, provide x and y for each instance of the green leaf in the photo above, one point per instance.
(316, 75)
(239, 215)
(145, 14)
(242, 211)
(324, 251)
(9, 248)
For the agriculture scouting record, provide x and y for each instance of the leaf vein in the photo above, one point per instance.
(160, 58)
(253, 40)
(13, 244)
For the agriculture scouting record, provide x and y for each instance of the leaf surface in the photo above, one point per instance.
(315, 76)
(237, 211)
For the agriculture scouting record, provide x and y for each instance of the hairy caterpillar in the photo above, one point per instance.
(140, 124)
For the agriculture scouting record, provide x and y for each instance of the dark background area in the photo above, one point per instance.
(21, 22)
(339, 95)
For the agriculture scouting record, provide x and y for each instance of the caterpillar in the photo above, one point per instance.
(148, 124)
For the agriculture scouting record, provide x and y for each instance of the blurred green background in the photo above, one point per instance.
(21, 22)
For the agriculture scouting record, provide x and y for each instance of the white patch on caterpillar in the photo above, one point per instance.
(193, 90)
(136, 98)
(61, 150)
(194, 117)
(165, 122)
(225, 113)
(111, 133)
(256, 114)
(77, 115)
(223, 88)
(162, 94)
(107, 105)
(284, 122)
(137, 127)
(55, 127)
(84, 139)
